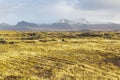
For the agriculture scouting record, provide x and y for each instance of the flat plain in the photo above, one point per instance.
(84, 55)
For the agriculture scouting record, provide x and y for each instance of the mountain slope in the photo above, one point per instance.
(23, 25)
(5, 26)
(62, 25)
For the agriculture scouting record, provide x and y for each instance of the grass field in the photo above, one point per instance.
(59, 55)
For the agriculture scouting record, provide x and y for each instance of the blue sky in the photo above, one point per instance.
(48, 11)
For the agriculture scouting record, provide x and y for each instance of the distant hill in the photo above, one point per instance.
(23, 25)
(5, 26)
(62, 25)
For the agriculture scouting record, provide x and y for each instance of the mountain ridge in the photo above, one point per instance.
(61, 25)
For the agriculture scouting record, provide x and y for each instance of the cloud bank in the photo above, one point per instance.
(48, 11)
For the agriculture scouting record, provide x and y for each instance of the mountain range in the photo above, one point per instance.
(61, 25)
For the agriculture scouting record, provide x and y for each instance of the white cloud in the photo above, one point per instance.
(97, 10)
(47, 11)
(95, 4)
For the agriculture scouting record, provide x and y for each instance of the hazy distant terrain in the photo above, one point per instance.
(59, 55)
(62, 25)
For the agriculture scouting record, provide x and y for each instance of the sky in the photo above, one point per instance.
(49, 11)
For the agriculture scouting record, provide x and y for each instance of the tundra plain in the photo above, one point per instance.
(26, 55)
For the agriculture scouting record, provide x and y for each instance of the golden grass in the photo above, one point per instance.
(48, 57)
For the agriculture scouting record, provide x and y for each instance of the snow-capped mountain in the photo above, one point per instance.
(81, 21)
(61, 25)
(77, 21)
(66, 21)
